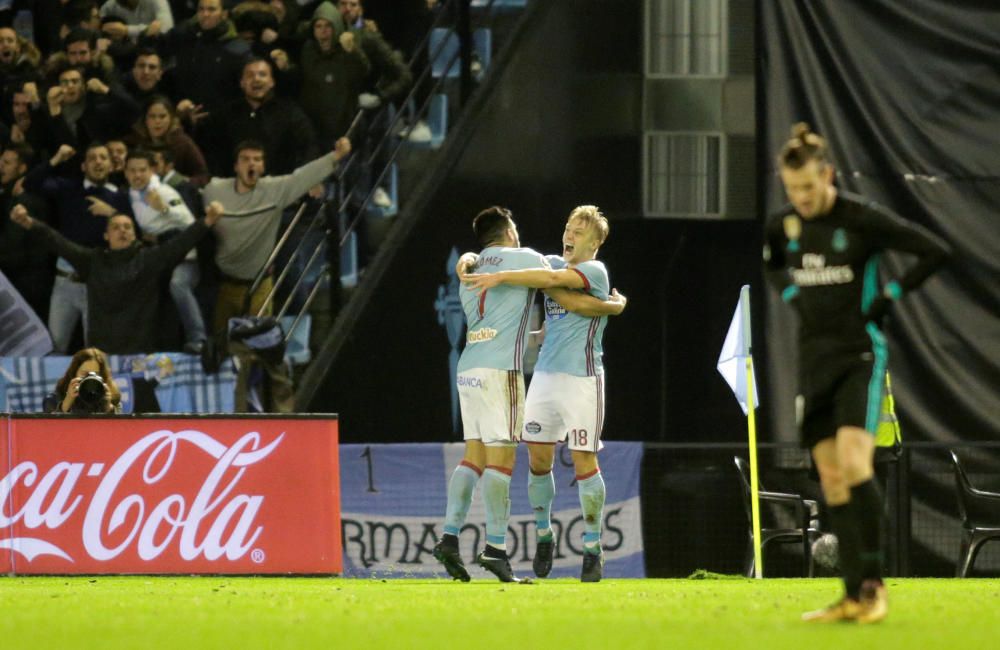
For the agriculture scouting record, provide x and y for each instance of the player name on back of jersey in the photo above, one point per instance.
(815, 272)
(488, 260)
(480, 335)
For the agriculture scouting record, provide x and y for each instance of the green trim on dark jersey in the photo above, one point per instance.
(869, 290)
(869, 287)
(873, 413)
(834, 260)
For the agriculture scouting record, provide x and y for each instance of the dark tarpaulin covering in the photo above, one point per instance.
(907, 92)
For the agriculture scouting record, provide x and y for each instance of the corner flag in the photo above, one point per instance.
(736, 367)
(736, 352)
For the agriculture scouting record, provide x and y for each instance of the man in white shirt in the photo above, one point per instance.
(161, 212)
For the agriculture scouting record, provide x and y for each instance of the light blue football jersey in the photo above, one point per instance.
(573, 343)
(497, 319)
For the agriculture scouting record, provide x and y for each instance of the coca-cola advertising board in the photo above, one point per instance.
(230, 495)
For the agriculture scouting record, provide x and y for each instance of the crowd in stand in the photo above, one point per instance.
(124, 121)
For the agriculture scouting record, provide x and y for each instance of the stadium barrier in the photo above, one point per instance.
(168, 382)
(169, 495)
(394, 500)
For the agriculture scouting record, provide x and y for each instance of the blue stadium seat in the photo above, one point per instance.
(500, 5)
(444, 35)
(482, 43)
(437, 119)
(348, 256)
(391, 184)
(297, 350)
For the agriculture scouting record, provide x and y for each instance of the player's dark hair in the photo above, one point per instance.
(79, 35)
(141, 154)
(96, 144)
(243, 145)
(25, 154)
(166, 152)
(146, 51)
(490, 224)
(64, 67)
(804, 145)
(257, 59)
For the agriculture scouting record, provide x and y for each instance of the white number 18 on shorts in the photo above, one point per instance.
(565, 407)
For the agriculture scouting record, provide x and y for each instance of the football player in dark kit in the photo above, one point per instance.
(821, 251)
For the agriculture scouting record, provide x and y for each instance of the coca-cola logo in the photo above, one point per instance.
(218, 522)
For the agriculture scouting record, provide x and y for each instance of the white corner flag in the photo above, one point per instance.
(736, 367)
(735, 353)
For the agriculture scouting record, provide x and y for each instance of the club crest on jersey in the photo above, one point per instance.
(839, 241)
(533, 428)
(792, 225)
(553, 310)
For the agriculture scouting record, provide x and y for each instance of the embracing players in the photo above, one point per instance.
(491, 388)
(566, 396)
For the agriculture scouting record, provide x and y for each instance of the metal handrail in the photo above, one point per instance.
(308, 302)
(289, 264)
(424, 108)
(305, 271)
(262, 273)
(345, 166)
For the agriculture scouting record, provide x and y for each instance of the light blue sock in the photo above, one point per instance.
(592, 495)
(541, 492)
(496, 496)
(460, 488)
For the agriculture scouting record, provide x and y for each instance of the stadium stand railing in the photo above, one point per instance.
(334, 259)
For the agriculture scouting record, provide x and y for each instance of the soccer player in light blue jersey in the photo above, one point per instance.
(491, 390)
(566, 396)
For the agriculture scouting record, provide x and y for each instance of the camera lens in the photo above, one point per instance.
(91, 389)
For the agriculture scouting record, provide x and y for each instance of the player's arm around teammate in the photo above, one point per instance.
(561, 285)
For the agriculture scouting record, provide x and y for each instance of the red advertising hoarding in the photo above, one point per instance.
(226, 494)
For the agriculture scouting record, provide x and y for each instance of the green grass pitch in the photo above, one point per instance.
(249, 612)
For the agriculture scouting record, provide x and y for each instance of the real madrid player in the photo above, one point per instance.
(491, 390)
(822, 253)
(566, 396)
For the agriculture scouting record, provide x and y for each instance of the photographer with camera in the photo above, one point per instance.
(87, 386)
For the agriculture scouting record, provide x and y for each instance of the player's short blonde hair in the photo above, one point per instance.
(591, 216)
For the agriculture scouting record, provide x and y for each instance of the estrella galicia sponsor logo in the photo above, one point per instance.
(471, 382)
(480, 335)
(533, 428)
(839, 241)
(553, 310)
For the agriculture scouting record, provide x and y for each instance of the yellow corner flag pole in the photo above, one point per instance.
(737, 348)
(758, 557)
